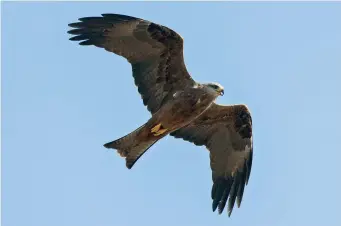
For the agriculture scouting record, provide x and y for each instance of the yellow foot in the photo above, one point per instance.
(158, 130)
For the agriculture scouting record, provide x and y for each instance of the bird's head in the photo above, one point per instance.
(216, 87)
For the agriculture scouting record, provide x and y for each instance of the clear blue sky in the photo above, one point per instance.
(62, 102)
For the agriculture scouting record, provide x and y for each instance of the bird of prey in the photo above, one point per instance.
(179, 105)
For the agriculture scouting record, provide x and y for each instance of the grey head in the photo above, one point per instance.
(214, 88)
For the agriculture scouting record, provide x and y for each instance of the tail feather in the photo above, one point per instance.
(135, 153)
(131, 146)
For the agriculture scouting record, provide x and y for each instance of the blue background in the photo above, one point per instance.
(61, 102)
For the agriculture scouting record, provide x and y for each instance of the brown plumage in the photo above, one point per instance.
(179, 106)
(226, 131)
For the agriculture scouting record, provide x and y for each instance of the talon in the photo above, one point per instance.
(160, 132)
(156, 128)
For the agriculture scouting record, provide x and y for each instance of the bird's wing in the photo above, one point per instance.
(154, 51)
(226, 131)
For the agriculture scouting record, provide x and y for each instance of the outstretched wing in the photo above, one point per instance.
(154, 51)
(226, 131)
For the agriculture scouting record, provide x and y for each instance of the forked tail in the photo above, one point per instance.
(133, 145)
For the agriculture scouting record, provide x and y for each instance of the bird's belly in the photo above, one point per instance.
(179, 114)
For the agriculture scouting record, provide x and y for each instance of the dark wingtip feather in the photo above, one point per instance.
(71, 31)
(77, 31)
(79, 37)
(233, 194)
(228, 190)
(220, 193)
(94, 18)
(240, 191)
(225, 196)
(118, 17)
(93, 29)
(87, 43)
(76, 24)
(214, 189)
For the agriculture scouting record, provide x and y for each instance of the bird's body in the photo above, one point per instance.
(179, 106)
(185, 106)
(180, 109)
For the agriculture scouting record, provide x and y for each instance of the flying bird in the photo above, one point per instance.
(179, 106)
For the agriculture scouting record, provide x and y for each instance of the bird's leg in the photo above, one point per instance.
(158, 130)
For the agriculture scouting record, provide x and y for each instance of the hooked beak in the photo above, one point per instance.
(222, 93)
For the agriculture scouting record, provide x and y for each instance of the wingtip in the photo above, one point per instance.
(229, 210)
(238, 204)
(73, 25)
(119, 17)
(220, 211)
(108, 14)
(214, 206)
